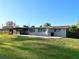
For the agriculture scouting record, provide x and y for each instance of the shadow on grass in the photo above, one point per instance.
(1, 43)
(19, 38)
(7, 53)
(51, 52)
(22, 38)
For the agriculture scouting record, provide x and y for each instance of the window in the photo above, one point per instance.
(39, 30)
(43, 30)
(32, 30)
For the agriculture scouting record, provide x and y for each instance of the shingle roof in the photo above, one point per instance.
(59, 27)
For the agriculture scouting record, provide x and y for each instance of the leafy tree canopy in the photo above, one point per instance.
(25, 26)
(46, 24)
(73, 28)
(9, 25)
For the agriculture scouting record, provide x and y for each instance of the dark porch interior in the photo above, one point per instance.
(23, 31)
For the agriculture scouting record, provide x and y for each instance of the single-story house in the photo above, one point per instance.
(42, 31)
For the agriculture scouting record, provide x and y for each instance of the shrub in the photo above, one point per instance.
(73, 32)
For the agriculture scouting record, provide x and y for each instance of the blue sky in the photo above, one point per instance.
(37, 12)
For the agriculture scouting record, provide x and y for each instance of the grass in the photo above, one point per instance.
(17, 47)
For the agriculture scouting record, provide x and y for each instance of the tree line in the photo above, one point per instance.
(11, 24)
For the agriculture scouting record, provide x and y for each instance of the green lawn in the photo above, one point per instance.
(16, 47)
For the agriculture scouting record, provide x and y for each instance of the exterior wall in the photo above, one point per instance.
(60, 33)
(16, 32)
(39, 33)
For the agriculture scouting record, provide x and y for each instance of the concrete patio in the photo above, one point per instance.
(54, 37)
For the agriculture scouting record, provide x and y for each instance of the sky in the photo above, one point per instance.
(38, 12)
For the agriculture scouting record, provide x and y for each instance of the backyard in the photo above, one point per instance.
(18, 47)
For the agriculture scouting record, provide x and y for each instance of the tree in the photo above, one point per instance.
(9, 24)
(33, 26)
(40, 25)
(17, 26)
(46, 24)
(24, 26)
(73, 28)
(73, 32)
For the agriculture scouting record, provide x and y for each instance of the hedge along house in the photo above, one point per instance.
(42, 31)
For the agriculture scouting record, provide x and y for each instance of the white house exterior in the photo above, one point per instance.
(49, 31)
